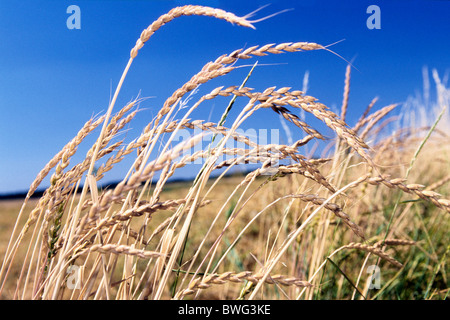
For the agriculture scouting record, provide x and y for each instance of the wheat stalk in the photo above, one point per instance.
(219, 279)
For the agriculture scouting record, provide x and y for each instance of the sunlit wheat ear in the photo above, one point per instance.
(375, 250)
(186, 11)
(220, 279)
(416, 189)
(394, 242)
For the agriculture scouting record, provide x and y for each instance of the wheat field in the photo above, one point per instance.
(292, 225)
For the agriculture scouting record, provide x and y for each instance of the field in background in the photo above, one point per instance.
(425, 270)
(296, 227)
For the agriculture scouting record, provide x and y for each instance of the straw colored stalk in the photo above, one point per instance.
(360, 123)
(376, 115)
(346, 92)
(375, 118)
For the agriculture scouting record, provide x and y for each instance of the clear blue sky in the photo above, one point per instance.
(52, 79)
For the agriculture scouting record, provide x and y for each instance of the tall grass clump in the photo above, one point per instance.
(294, 226)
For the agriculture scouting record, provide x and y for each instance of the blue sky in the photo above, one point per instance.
(52, 79)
